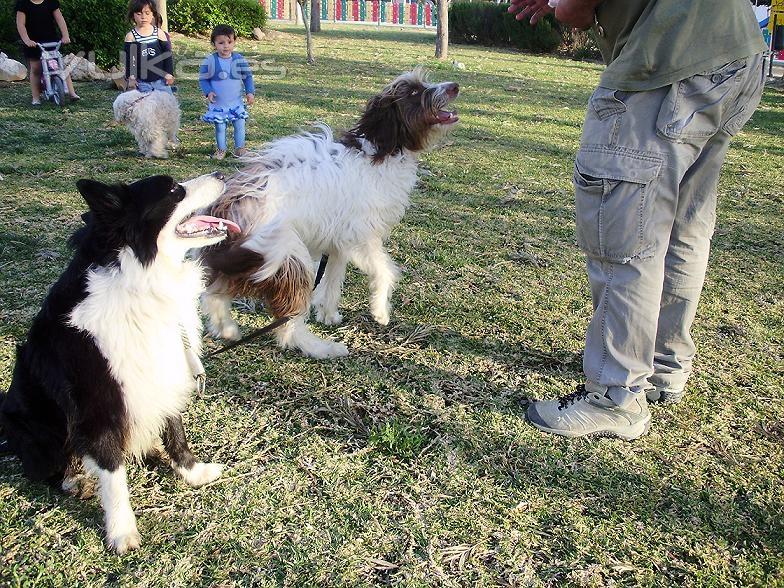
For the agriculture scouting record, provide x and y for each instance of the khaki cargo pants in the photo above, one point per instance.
(645, 179)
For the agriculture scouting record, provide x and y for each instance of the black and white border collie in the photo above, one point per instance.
(110, 359)
(309, 194)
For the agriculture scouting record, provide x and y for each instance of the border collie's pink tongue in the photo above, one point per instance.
(201, 223)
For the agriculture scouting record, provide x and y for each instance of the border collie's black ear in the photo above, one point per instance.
(100, 197)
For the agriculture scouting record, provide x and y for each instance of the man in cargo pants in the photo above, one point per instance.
(682, 78)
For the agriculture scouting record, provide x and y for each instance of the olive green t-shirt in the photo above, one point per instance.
(648, 44)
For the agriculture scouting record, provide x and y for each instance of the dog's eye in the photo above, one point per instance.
(178, 191)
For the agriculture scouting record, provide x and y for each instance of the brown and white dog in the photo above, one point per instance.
(310, 194)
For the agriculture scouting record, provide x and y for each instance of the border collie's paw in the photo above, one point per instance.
(328, 318)
(201, 473)
(124, 542)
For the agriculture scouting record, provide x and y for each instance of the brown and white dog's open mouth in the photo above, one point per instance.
(444, 94)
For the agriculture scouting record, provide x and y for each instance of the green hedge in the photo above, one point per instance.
(191, 17)
(94, 25)
(487, 23)
(8, 35)
(97, 25)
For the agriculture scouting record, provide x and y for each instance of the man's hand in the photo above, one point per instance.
(535, 8)
(29, 42)
(211, 97)
(169, 79)
(250, 98)
(131, 83)
(66, 40)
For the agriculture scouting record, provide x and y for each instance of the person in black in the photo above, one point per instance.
(148, 53)
(38, 21)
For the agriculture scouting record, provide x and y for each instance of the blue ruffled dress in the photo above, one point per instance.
(229, 94)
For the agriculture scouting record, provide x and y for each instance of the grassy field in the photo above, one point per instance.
(409, 463)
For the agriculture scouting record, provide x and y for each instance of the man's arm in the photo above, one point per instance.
(578, 13)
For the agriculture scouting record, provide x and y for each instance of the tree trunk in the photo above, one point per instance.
(162, 11)
(308, 38)
(315, 16)
(442, 30)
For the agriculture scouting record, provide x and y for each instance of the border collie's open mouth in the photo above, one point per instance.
(205, 226)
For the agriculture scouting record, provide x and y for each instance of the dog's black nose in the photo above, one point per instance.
(218, 175)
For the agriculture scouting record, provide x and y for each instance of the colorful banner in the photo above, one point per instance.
(416, 13)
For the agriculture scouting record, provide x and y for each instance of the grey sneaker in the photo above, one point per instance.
(590, 413)
(662, 395)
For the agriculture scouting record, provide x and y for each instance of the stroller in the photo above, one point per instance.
(52, 72)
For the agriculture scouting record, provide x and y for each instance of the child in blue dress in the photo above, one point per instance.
(225, 77)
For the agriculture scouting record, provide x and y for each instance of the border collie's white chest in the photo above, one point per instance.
(137, 317)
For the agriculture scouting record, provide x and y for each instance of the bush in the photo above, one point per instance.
(97, 25)
(191, 17)
(94, 25)
(580, 45)
(487, 23)
(9, 38)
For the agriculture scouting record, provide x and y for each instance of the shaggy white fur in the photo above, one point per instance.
(153, 118)
(309, 194)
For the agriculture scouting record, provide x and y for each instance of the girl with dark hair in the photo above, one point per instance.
(148, 53)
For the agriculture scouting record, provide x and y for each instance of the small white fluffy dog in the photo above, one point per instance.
(152, 117)
(309, 194)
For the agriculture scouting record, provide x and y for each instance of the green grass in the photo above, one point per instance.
(409, 462)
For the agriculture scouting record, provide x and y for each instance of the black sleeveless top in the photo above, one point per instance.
(148, 58)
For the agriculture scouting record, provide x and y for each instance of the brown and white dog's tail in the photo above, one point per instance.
(271, 264)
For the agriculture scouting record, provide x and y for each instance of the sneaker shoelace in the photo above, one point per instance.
(579, 394)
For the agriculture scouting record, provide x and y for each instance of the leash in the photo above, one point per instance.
(321, 269)
(274, 324)
(140, 98)
(194, 363)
